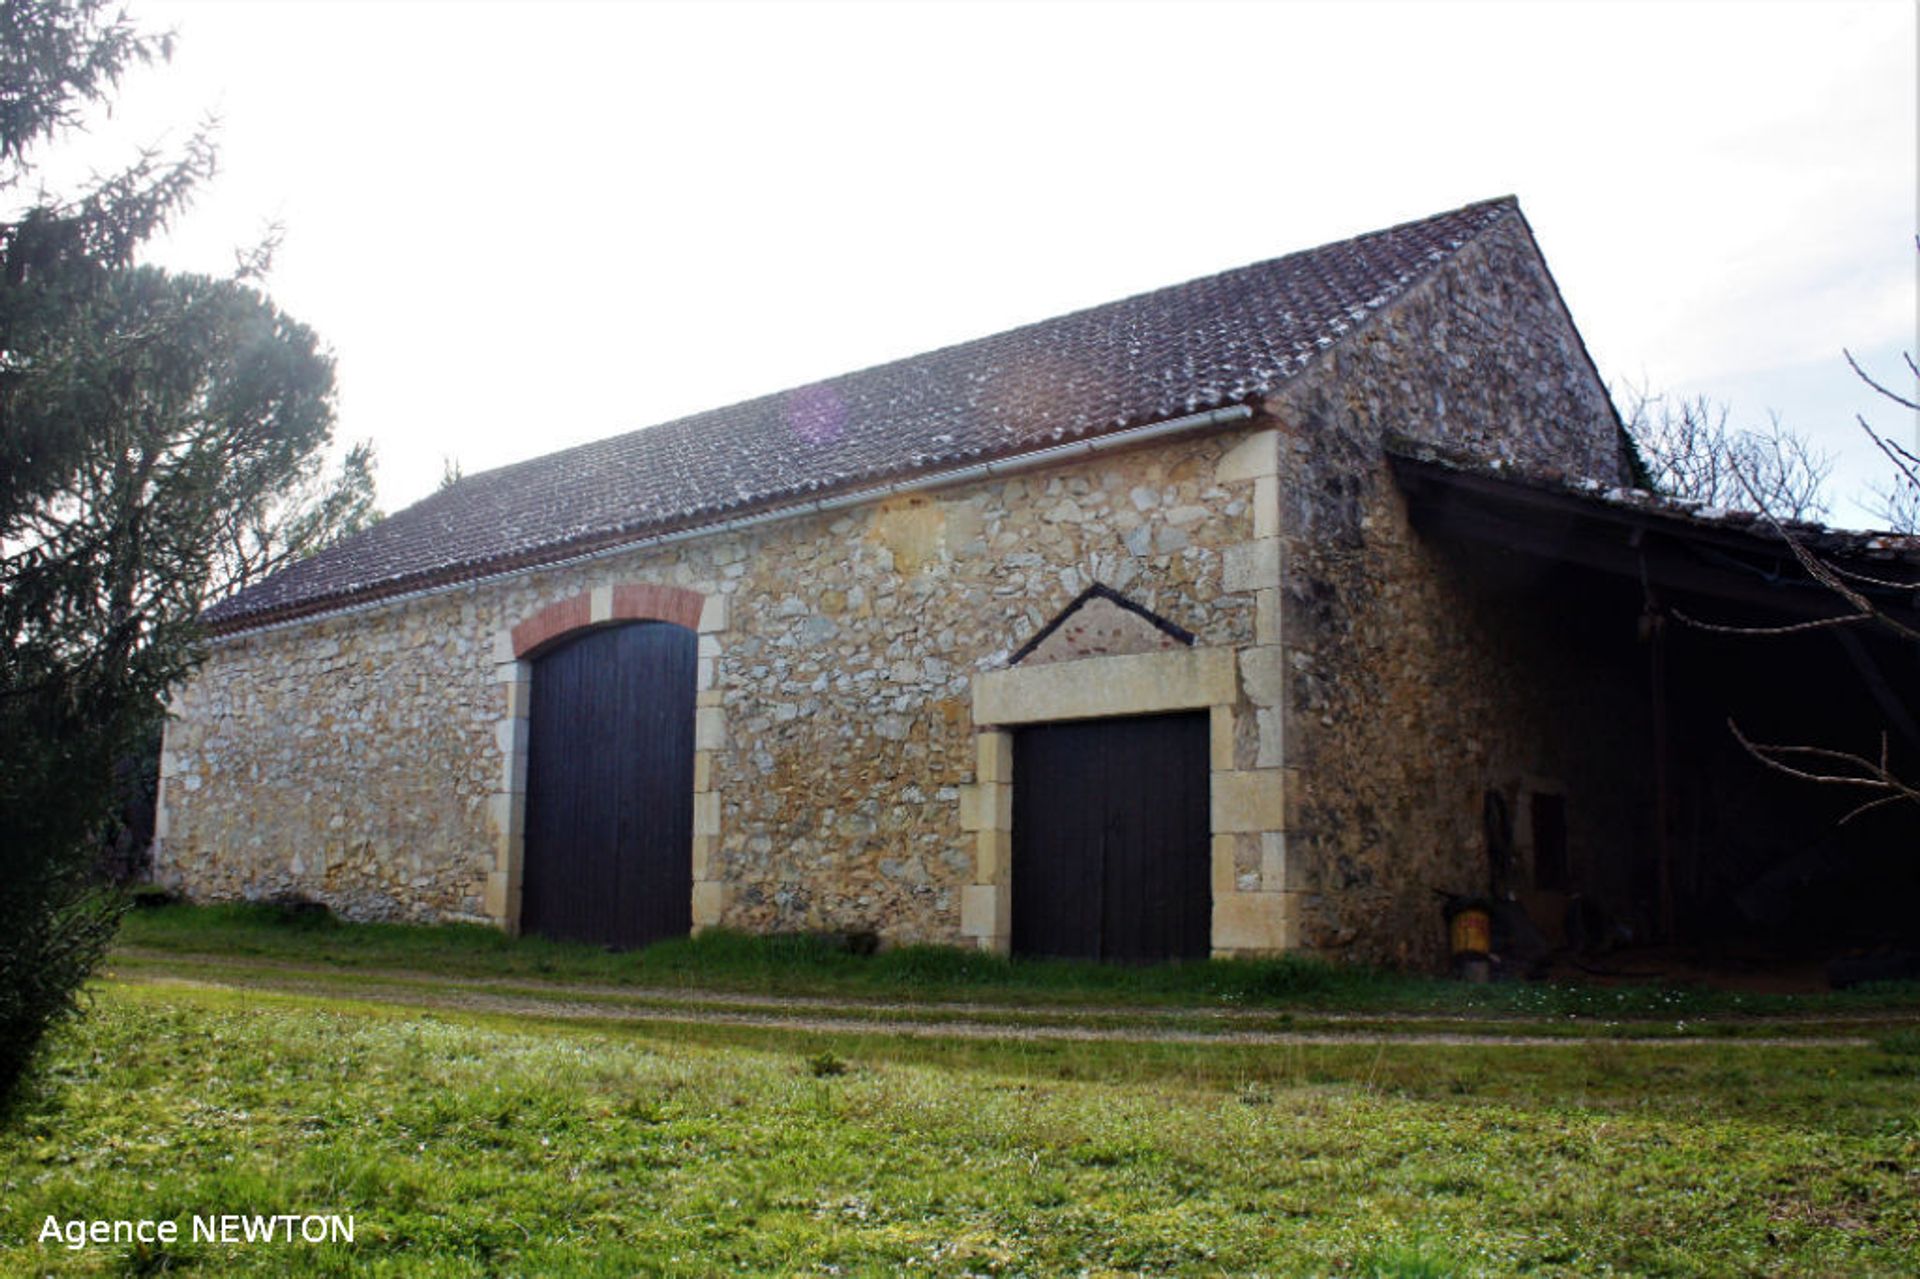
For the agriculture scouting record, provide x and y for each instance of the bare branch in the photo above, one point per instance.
(1863, 772)
(1795, 628)
(1895, 396)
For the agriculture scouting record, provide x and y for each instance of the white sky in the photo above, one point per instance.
(524, 226)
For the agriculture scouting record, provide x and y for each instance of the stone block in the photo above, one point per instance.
(702, 771)
(513, 770)
(1266, 507)
(1279, 871)
(707, 697)
(1250, 800)
(1222, 864)
(1251, 458)
(703, 674)
(1254, 923)
(709, 903)
(993, 755)
(600, 604)
(509, 851)
(507, 810)
(704, 847)
(1137, 684)
(494, 900)
(1263, 674)
(709, 646)
(713, 615)
(1271, 729)
(986, 806)
(1220, 738)
(1251, 566)
(519, 697)
(709, 728)
(706, 813)
(1296, 798)
(992, 856)
(503, 654)
(983, 910)
(1266, 616)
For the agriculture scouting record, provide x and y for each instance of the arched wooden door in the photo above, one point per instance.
(609, 821)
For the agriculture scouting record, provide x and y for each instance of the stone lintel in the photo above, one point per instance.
(1092, 687)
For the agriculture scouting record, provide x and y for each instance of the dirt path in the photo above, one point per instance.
(912, 1020)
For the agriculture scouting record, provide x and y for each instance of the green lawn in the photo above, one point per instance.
(466, 1143)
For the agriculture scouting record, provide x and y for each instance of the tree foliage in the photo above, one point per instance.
(161, 439)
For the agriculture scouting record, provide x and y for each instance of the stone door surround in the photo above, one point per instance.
(515, 646)
(1242, 800)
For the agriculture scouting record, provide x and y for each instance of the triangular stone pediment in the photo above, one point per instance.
(1100, 622)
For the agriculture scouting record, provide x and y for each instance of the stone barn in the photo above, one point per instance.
(1111, 636)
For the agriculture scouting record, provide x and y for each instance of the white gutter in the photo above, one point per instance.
(919, 483)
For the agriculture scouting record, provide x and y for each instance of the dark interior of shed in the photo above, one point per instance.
(1676, 849)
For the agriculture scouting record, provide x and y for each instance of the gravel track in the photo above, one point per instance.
(805, 1014)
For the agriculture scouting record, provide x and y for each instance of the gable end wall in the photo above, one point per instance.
(1410, 691)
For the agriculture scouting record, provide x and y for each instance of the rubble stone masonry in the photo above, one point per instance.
(849, 774)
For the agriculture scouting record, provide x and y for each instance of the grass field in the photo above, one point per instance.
(466, 1141)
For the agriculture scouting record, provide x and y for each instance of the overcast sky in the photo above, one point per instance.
(524, 226)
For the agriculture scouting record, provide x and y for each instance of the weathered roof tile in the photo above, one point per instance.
(1202, 345)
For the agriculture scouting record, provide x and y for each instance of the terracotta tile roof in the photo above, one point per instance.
(1223, 340)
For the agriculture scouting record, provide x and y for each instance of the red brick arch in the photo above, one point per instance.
(633, 602)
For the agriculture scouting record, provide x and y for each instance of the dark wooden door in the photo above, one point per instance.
(609, 824)
(1111, 839)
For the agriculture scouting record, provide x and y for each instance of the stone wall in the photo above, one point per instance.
(368, 759)
(1411, 691)
(1361, 693)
